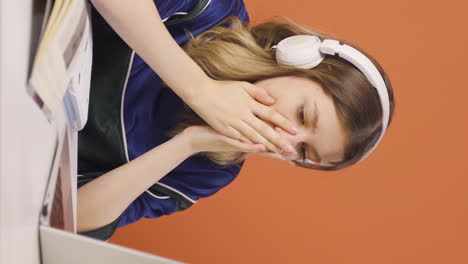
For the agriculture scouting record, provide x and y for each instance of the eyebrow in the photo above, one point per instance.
(314, 122)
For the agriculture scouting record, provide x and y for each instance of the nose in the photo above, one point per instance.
(290, 138)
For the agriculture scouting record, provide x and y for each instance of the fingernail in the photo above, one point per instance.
(294, 129)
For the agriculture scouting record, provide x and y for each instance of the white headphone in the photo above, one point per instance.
(307, 51)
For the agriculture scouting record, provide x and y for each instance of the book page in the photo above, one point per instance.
(63, 49)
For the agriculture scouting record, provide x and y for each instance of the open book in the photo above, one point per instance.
(61, 72)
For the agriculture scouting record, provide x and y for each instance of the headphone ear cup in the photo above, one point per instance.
(301, 51)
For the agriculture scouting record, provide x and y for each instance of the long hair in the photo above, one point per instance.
(235, 50)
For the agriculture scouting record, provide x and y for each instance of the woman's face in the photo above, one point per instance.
(327, 140)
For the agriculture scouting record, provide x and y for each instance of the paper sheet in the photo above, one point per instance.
(63, 56)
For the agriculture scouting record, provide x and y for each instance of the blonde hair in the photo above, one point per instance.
(235, 50)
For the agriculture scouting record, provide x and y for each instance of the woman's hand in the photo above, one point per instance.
(231, 109)
(206, 139)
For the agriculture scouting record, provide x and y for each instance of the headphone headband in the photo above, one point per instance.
(307, 51)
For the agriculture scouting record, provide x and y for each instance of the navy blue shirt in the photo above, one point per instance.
(149, 112)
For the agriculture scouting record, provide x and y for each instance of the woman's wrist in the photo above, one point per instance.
(199, 87)
(188, 137)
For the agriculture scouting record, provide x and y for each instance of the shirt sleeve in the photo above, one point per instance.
(149, 206)
(139, 208)
(146, 205)
(102, 233)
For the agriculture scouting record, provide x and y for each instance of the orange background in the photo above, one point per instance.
(407, 203)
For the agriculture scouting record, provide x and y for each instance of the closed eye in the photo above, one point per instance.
(302, 119)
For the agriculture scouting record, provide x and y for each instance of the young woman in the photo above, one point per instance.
(191, 116)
